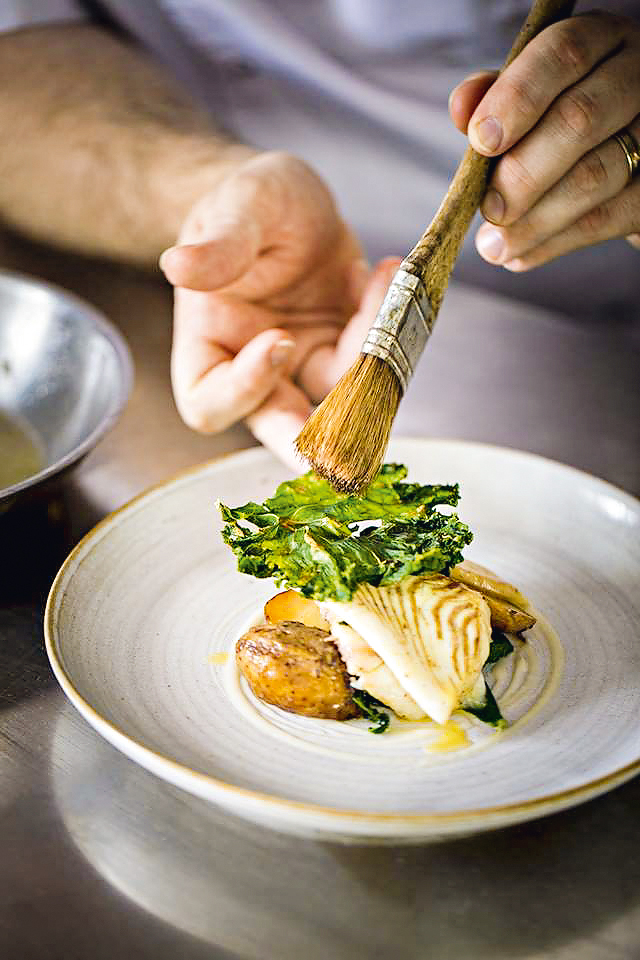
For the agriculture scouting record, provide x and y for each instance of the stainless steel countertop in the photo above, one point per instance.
(100, 859)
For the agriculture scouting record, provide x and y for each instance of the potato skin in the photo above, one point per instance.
(504, 616)
(291, 605)
(296, 668)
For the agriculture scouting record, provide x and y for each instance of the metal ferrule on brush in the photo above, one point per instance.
(402, 327)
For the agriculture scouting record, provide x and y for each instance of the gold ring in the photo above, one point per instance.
(631, 150)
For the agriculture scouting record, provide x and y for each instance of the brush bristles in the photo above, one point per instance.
(345, 438)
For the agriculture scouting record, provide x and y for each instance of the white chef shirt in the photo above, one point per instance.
(359, 89)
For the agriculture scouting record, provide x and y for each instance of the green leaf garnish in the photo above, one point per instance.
(369, 706)
(311, 538)
(489, 711)
(500, 646)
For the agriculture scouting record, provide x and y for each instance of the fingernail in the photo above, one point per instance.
(280, 352)
(162, 262)
(489, 243)
(493, 206)
(514, 266)
(488, 133)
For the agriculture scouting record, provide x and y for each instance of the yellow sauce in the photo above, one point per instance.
(452, 737)
(218, 658)
(399, 725)
(20, 456)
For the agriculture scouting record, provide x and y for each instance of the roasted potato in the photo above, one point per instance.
(297, 668)
(488, 583)
(507, 604)
(291, 605)
(509, 618)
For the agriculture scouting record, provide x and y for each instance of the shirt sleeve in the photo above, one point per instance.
(15, 14)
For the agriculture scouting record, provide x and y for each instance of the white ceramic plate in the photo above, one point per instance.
(144, 603)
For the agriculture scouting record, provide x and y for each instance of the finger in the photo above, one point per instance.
(464, 98)
(310, 340)
(358, 277)
(552, 62)
(583, 117)
(615, 218)
(597, 177)
(355, 332)
(232, 321)
(634, 240)
(279, 420)
(326, 365)
(213, 390)
(232, 247)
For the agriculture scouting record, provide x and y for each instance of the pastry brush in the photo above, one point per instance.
(345, 438)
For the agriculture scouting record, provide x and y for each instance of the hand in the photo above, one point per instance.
(269, 305)
(561, 182)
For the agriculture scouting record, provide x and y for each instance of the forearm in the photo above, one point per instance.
(100, 152)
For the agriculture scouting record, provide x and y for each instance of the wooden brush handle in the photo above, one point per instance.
(434, 255)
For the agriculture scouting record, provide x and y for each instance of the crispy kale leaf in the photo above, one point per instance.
(311, 538)
(489, 711)
(500, 646)
(370, 707)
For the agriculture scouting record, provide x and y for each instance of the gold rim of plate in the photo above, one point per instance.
(554, 800)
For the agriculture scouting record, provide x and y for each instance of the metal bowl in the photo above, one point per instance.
(65, 377)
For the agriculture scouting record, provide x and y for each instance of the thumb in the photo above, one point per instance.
(231, 247)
